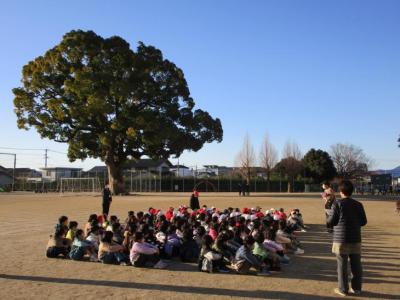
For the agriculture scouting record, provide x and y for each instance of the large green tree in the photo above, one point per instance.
(318, 166)
(110, 102)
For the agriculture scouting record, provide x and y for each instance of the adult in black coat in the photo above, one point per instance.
(194, 200)
(107, 198)
(347, 218)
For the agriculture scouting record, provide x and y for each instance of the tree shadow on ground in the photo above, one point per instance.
(321, 263)
(258, 294)
(162, 287)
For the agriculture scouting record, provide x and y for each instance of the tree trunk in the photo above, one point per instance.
(268, 182)
(115, 179)
(289, 186)
(248, 180)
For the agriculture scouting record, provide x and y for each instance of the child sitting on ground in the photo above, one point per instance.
(58, 244)
(94, 237)
(269, 258)
(286, 237)
(220, 246)
(244, 259)
(62, 223)
(110, 252)
(209, 260)
(128, 236)
(118, 235)
(144, 254)
(73, 227)
(189, 251)
(80, 247)
(274, 247)
(92, 221)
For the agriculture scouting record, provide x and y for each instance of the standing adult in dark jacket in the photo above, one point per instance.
(348, 216)
(240, 188)
(107, 198)
(194, 200)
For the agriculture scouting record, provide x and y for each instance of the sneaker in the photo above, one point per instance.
(355, 292)
(223, 270)
(123, 263)
(160, 265)
(339, 292)
(303, 230)
(298, 251)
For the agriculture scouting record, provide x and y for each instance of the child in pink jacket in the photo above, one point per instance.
(144, 254)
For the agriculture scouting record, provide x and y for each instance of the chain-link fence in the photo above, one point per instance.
(145, 181)
(140, 181)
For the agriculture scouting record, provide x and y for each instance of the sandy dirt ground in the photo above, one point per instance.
(26, 220)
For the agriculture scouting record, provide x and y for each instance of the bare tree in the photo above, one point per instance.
(349, 160)
(291, 149)
(268, 158)
(291, 164)
(245, 160)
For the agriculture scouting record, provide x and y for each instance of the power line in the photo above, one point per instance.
(34, 149)
(46, 150)
(54, 151)
(27, 149)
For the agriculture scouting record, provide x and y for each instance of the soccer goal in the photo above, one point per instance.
(79, 185)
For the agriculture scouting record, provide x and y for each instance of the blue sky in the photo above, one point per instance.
(316, 72)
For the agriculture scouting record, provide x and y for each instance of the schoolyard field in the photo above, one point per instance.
(27, 220)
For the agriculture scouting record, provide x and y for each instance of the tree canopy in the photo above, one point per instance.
(110, 102)
(350, 161)
(291, 164)
(318, 166)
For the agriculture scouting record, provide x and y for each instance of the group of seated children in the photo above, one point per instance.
(231, 240)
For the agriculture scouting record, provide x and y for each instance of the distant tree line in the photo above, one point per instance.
(344, 161)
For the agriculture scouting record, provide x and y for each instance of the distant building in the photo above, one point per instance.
(181, 171)
(214, 170)
(260, 172)
(381, 179)
(54, 174)
(148, 165)
(96, 171)
(162, 166)
(25, 174)
(6, 179)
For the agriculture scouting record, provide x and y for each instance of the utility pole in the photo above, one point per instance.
(45, 157)
(15, 165)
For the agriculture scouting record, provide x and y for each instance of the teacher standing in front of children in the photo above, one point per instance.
(107, 198)
(347, 218)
